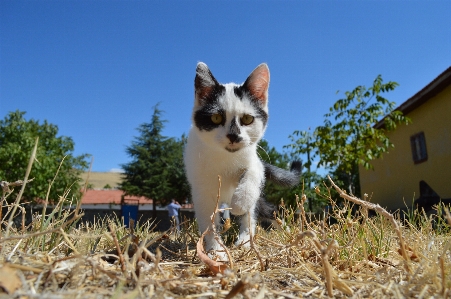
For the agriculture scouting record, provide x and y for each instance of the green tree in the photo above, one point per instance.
(350, 135)
(17, 139)
(304, 144)
(156, 170)
(180, 188)
(274, 193)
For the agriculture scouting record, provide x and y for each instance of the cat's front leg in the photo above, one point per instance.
(243, 203)
(204, 210)
(212, 240)
(247, 192)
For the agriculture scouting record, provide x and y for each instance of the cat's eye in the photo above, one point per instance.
(216, 118)
(247, 119)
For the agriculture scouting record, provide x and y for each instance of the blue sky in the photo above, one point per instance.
(96, 68)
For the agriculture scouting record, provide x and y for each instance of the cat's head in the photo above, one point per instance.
(230, 116)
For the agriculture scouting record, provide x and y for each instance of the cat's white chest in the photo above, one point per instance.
(204, 165)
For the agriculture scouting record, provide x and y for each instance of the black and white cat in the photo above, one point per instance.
(228, 121)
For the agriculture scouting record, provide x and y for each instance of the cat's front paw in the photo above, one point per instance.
(237, 208)
(243, 241)
(215, 250)
(218, 255)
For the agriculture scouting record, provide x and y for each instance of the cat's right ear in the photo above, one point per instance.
(258, 82)
(204, 83)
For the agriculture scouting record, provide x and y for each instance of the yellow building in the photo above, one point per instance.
(422, 150)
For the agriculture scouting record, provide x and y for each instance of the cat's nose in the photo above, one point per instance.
(234, 138)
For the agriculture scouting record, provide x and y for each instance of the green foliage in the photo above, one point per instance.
(177, 179)
(350, 136)
(17, 138)
(304, 143)
(314, 189)
(273, 192)
(156, 170)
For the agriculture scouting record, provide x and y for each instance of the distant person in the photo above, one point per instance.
(173, 212)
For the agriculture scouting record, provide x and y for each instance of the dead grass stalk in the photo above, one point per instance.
(343, 254)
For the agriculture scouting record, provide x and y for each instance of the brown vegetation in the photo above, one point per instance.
(357, 256)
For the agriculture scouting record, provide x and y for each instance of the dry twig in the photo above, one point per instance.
(384, 213)
(118, 248)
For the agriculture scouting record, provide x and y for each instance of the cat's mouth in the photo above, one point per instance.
(232, 150)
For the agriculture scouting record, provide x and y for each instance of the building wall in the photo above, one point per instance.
(396, 177)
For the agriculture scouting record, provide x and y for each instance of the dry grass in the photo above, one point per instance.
(357, 257)
(101, 179)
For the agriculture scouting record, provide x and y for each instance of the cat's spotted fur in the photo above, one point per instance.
(228, 122)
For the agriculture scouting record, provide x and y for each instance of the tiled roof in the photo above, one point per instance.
(111, 196)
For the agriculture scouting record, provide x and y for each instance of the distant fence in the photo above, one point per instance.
(161, 221)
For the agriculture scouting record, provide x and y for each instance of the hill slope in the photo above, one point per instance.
(101, 179)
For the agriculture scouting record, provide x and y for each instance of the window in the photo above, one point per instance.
(418, 144)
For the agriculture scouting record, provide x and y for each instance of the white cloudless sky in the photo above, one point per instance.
(96, 68)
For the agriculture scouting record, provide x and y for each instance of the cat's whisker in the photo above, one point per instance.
(269, 158)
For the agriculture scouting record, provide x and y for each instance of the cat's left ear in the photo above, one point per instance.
(204, 83)
(257, 83)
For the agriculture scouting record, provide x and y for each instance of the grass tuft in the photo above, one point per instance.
(345, 253)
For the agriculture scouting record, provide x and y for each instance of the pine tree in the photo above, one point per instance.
(156, 170)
